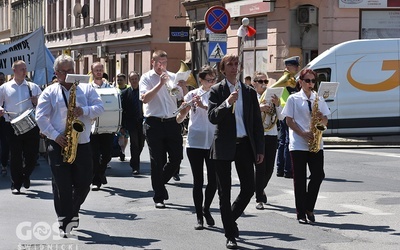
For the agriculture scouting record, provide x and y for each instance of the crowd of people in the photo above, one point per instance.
(228, 121)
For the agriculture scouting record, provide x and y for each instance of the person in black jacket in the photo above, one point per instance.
(233, 107)
(132, 120)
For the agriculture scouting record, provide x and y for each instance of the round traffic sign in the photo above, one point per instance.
(217, 19)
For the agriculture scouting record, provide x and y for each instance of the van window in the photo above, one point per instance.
(323, 75)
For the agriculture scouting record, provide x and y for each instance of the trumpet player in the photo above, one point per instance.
(162, 132)
(270, 113)
(302, 114)
(199, 139)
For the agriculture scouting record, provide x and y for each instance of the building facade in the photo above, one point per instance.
(5, 27)
(123, 33)
(287, 28)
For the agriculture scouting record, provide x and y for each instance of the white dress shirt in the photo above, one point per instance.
(51, 111)
(200, 129)
(102, 86)
(11, 94)
(297, 108)
(163, 104)
(240, 128)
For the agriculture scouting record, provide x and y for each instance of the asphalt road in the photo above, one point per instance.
(358, 208)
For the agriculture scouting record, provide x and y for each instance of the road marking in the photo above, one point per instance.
(363, 209)
(366, 153)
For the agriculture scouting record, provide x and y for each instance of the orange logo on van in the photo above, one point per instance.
(388, 84)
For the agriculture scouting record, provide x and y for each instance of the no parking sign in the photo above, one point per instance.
(217, 19)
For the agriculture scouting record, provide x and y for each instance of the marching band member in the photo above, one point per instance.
(70, 181)
(18, 96)
(287, 80)
(270, 113)
(199, 139)
(239, 138)
(132, 120)
(163, 133)
(101, 144)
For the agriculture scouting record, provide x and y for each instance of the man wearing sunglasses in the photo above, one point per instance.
(284, 164)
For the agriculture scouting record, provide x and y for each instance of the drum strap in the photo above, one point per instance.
(30, 92)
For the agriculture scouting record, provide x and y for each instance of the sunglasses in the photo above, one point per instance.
(310, 80)
(262, 81)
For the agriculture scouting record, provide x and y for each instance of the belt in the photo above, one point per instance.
(161, 119)
(240, 140)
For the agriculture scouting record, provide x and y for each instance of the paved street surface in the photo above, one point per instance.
(122, 215)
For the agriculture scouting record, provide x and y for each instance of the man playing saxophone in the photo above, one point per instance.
(270, 113)
(303, 111)
(71, 181)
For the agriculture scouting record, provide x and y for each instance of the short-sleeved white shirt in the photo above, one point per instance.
(200, 129)
(163, 105)
(298, 109)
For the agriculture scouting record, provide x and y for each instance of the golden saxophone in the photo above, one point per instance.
(316, 128)
(272, 114)
(73, 128)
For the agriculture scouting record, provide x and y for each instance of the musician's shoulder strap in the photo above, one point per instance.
(30, 91)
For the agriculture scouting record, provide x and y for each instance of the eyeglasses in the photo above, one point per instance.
(64, 72)
(310, 80)
(261, 81)
(210, 80)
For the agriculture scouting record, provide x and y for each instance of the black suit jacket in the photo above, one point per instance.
(129, 119)
(224, 143)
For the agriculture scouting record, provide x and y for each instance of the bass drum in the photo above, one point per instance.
(110, 121)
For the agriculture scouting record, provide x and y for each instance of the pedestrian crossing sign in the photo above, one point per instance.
(216, 50)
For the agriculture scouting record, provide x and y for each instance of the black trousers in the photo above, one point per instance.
(4, 140)
(197, 157)
(101, 145)
(245, 170)
(265, 169)
(165, 143)
(24, 150)
(136, 138)
(306, 195)
(71, 182)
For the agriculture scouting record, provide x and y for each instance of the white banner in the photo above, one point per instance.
(30, 49)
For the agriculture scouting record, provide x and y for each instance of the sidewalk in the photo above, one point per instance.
(363, 141)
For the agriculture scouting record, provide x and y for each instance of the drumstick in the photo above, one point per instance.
(27, 99)
(10, 113)
(18, 103)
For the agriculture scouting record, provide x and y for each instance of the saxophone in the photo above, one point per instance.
(272, 114)
(316, 128)
(73, 128)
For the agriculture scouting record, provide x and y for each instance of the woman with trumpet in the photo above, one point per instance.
(270, 113)
(199, 139)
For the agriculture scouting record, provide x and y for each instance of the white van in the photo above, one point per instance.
(368, 98)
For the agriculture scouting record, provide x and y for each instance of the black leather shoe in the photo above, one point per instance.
(176, 177)
(303, 221)
(199, 225)
(160, 205)
(231, 243)
(209, 219)
(310, 216)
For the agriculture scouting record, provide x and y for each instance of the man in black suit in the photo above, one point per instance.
(234, 108)
(132, 119)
